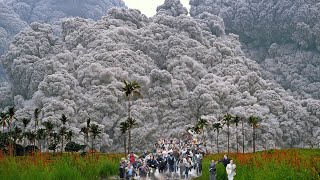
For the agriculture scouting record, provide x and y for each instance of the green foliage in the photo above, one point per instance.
(108, 168)
(64, 167)
(73, 147)
(269, 165)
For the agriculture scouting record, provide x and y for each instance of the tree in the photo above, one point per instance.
(63, 130)
(124, 127)
(3, 120)
(63, 119)
(36, 118)
(85, 131)
(131, 123)
(95, 131)
(48, 128)
(236, 121)
(40, 136)
(31, 136)
(25, 122)
(242, 122)
(73, 147)
(10, 116)
(130, 89)
(217, 127)
(54, 145)
(227, 121)
(253, 121)
(62, 133)
(201, 125)
(16, 134)
(69, 136)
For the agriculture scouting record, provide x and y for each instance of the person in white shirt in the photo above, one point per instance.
(231, 170)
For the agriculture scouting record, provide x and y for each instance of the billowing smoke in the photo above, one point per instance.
(283, 36)
(187, 67)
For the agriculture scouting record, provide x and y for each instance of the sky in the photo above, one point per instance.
(148, 7)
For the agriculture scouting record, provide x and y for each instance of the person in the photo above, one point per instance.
(231, 170)
(199, 162)
(143, 171)
(182, 167)
(213, 170)
(188, 164)
(171, 162)
(122, 168)
(225, 160)
(132, 159)
(130, 172)
(152, 163)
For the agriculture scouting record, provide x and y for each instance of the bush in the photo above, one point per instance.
(73, 147)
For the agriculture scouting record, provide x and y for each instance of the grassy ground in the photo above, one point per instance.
(58, 167)
(291, 164)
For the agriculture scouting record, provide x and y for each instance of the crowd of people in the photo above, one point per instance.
(172, 158)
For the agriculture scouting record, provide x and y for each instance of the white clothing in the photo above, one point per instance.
(231, 171)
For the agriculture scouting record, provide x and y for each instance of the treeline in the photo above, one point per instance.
(227, 121)
(17, 139)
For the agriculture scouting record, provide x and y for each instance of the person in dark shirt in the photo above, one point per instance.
(122, 168)
(213, 170)
(225, 161)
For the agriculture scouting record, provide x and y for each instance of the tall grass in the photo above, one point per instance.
(270, 165)
(293, 164)
(66, 167)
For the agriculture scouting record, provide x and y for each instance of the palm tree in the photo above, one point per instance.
(85, 131)
(228, 120)
(236, 121)
(62, 133)
(53, 146)
(63, 129)
(25, 122)
(48, 127)
(124, 127)
(242, 120)
(253, 121)
(201, 125)
(31, 136)
(131, 123)
(3, 120)
(63, 119)
(130, 89)
(40, 136)
(95, 131)
(16, 134)
(217, 127)
(36, 118)
(10, 116)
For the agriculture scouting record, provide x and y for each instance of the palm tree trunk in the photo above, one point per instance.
(61, 144)
(228, 139)
(218, 141)
(237, 139)
(242, 138)
(125, 145)
(129, 130)
(129, 141)
(253, 140)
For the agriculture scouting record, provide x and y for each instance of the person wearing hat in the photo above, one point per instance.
(122, 168)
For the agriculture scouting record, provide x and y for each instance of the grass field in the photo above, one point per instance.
(291, 164)
(59, 167)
